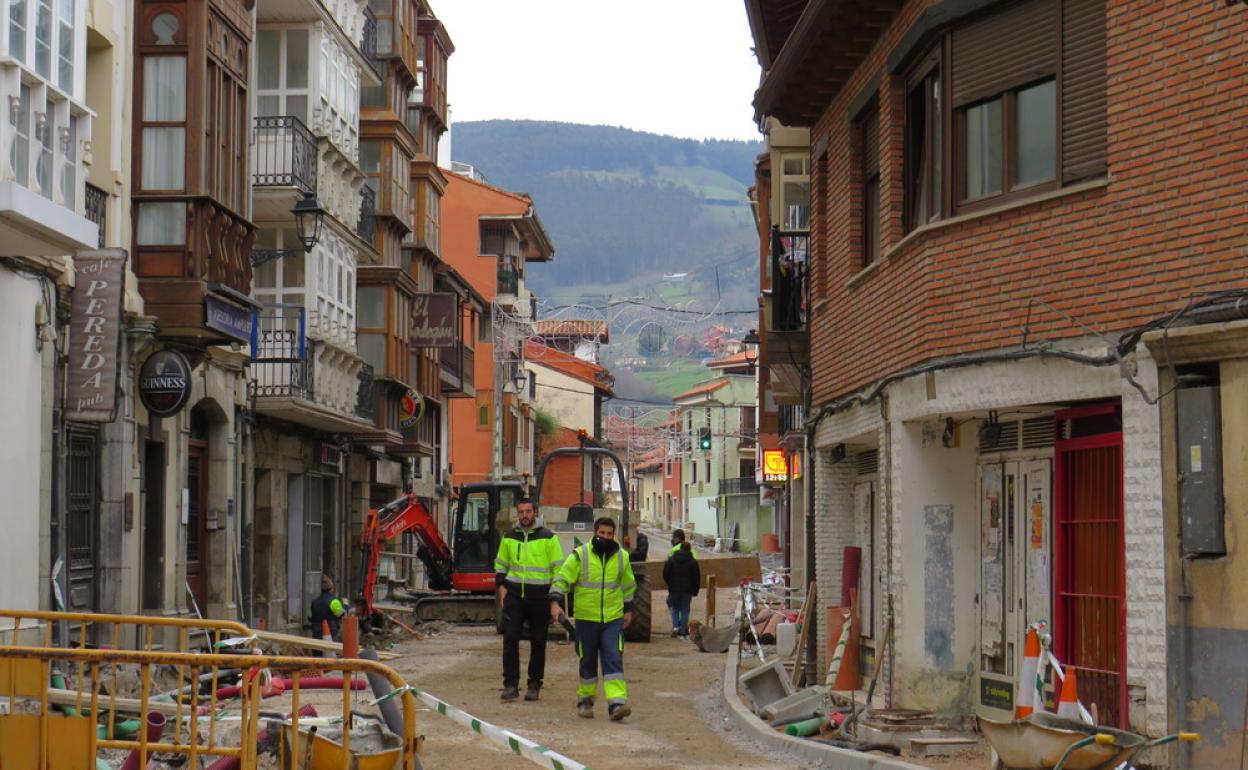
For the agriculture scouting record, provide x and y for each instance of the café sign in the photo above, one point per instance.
(95, 335)
(435, 320)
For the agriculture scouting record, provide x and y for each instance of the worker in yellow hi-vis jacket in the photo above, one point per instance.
(602, 580)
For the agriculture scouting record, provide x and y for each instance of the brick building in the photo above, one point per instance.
(1006, 199)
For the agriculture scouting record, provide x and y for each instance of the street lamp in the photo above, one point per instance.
(519, 378)
(308, 214)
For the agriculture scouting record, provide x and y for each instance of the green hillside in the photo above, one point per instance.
(625, 208)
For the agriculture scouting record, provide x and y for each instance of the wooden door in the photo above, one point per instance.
(82, 513)
(1089, 560)
(196, 522)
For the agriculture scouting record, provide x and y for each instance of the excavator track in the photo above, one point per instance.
(455, 608)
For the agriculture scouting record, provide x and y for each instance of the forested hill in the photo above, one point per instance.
(620, 204)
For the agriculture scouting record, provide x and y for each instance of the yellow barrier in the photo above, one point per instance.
(45, 740)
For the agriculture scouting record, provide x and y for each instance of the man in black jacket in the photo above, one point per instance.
(683, 578)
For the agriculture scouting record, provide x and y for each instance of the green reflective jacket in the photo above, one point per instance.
(676, 548)
(527, 560)
(604, 590)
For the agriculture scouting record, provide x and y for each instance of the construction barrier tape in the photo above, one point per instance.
(519, 745)
(834, 667)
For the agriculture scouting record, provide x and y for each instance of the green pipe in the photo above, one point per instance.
(58, 682)
(121, 731)
(806, 727)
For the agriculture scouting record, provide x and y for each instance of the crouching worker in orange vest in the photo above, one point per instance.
(602, 582)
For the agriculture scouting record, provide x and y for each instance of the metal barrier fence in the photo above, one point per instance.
(88, 722)
(94, 690)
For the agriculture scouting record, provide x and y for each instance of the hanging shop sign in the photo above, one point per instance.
(775, 466)
(411, 409)
(95, 335)
(435, 320)
(165, 383)
(232, 320)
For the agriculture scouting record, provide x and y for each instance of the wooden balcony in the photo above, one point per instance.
(182, 284)
(458, 372)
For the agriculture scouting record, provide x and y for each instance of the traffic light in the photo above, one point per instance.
(704, 439)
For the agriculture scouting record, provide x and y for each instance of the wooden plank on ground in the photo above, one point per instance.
(124, 705)
(804, 617)
(729, 571)
(309, 643)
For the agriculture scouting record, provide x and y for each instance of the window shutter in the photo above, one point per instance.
(871, 144)
(1004, 51)
(1084, 119)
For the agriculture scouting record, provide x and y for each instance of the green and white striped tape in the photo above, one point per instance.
(517, 744)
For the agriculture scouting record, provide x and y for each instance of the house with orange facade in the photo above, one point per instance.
(489, 235)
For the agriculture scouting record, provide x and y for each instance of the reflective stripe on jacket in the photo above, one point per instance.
(604, 589)
(528, 559)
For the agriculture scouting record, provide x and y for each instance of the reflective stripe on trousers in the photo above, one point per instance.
(601, 643)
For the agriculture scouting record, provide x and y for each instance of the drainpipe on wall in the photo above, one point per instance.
(812, 617)
(1185, 605)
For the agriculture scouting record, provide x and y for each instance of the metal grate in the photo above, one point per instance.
(1038, 433)
(97, 209)
(1006, 441)
(283, 154)
(867, 463)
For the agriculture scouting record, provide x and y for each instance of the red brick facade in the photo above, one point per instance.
(1167, 222)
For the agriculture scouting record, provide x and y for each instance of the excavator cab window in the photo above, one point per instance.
(474, 538)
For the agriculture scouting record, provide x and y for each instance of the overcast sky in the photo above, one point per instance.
(679, 67)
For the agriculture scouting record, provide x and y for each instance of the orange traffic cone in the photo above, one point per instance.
(326, 636)
(1025, 704)
(1068, 704)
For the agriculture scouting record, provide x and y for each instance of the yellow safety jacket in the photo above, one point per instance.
(604, 589)
(527, 560)
(676, 548)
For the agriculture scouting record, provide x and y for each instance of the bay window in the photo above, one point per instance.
(282, 76)
(985, 106)
(794, 192)
(164, 123)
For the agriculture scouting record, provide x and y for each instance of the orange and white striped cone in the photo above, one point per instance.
(1025, 705)
(326, 636)
(1068, 703)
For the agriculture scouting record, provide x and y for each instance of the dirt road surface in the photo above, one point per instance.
(677, 719)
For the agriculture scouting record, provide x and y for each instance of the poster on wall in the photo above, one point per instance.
(991, 560)
(95, 335)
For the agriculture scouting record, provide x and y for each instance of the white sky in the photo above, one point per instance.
(678, 67)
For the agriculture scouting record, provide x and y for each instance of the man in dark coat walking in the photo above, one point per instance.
(683, 578)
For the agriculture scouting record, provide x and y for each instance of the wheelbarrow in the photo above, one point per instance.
(1048, 742)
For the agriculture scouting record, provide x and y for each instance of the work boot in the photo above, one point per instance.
(530, 693)
(675, 633)
(585, 708)
(510, 692)
(617, 711)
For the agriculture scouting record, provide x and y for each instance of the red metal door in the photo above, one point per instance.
(1089, 562)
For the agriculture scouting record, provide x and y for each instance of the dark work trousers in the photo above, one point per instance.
(533, 609)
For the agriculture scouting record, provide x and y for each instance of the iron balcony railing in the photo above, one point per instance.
(791, 419)
(97, 209)
(281, 353)
(366, 229)
(366, 397)
(790, 291)
(742, 485)
(284, 154)
(368, 38)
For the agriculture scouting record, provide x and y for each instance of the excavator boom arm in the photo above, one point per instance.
(407, 514)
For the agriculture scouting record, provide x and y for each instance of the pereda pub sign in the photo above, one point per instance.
(95, 335)
(435, 320)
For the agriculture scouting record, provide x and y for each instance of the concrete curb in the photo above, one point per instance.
(818, 755)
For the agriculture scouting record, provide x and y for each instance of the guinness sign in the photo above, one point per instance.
(165, 383)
